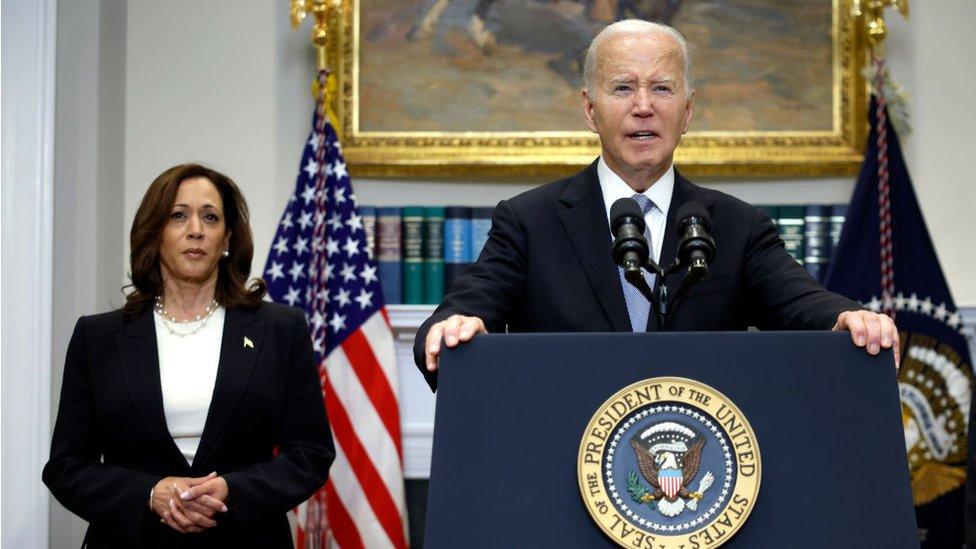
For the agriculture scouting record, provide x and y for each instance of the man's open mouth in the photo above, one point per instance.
(640, 136)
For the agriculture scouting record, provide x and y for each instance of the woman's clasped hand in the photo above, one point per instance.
(189, 504)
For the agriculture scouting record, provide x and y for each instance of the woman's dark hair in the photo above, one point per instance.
(233, 289)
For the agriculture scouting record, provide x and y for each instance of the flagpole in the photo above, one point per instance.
(322, 11)
(871, 15)
(320, 234)
(312, 526)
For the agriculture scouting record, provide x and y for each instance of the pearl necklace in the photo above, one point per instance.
(169, 320)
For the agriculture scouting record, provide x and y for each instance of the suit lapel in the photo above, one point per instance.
(585, 210)
(670, 246)
(139, 357)
(239, 350)
(684, 191)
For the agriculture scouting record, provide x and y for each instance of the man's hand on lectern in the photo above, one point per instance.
(456, 329)
(873, 331)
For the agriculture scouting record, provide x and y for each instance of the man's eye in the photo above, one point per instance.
(622, 87)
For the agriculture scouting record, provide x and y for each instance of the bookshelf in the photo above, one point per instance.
(417, 402)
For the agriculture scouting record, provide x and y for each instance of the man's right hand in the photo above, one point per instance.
(456, 329)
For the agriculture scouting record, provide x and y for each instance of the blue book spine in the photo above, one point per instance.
(480, 225)
(816, 240)
(388, 253)
(457, 242)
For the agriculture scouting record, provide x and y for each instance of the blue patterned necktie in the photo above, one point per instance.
(638, 307)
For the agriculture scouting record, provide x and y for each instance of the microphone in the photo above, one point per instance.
(696, 247)
(630, 249)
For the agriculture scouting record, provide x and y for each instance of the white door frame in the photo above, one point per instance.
(28, 63)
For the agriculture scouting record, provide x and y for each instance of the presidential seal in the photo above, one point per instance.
(669, 463)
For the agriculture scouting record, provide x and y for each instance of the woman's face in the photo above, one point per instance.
(195, 235)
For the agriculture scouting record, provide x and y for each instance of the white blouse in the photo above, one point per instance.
(187, 374)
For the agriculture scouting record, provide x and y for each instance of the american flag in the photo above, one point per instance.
(319, 262)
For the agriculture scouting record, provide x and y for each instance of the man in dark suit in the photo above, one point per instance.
(548, 266)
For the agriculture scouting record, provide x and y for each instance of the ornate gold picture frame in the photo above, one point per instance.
(779, 89)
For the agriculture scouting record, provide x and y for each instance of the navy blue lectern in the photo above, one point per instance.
(512, 409)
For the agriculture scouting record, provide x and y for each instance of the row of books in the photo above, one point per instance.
(420, 250)
(810, 232)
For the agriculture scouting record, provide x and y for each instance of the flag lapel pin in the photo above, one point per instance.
(248, 344)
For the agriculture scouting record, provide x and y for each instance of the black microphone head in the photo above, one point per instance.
(696, 248)
(691, 210)
(623, 211)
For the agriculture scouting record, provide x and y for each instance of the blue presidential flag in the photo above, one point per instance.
(885, 259)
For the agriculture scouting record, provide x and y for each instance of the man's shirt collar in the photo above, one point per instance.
(614, 188)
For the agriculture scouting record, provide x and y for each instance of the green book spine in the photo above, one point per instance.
(771, 211)
(413, 255)
(816, 240)
(791, 226)
(433, 254)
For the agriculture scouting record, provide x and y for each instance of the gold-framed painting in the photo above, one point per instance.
(492, 87)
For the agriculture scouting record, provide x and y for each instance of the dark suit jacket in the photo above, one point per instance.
(547, 267)
(111, 444)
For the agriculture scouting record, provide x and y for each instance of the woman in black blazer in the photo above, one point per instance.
(193, 417)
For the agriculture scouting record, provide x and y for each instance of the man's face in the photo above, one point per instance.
(639, 105)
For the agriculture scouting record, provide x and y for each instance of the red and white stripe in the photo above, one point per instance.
(364, 497)
(670, 485)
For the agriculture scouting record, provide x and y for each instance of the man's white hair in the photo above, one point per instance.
(633, 26)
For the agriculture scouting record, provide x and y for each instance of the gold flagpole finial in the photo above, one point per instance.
(321, 11)
(871, 13)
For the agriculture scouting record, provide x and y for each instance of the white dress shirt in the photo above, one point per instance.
(187, 375)
(614, 188)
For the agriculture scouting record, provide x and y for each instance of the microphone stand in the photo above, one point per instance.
(658, 297)
(695, 251)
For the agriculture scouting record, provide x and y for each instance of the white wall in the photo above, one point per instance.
(201, 85)
(931, 54)
(88, 185)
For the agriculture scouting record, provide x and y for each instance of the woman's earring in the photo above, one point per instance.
(226, 253)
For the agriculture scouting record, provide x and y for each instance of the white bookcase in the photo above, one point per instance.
(416, 399)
